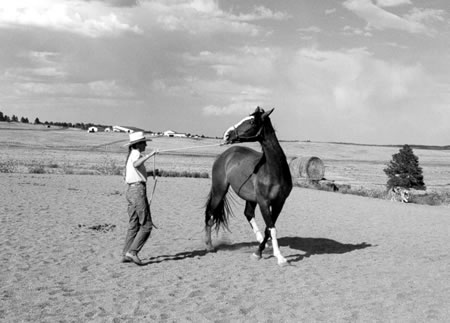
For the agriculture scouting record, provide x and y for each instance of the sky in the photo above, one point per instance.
(361, 71)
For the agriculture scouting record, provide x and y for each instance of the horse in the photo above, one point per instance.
(259, 178)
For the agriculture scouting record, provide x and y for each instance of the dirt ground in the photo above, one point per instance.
(351, 258)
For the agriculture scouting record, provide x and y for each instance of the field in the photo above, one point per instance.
(351, 258)
(77, 152)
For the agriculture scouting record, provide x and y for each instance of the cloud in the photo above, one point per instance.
(118, 3)
(354, 80)
(342, 95)
(240, 103)
(335, 85)
(261, 13)
(248, 64)
(206, 17)
(96, 89)
(351, 95)
(425, 15)
(378, 18)
(77, 17)
(392, 3)
(349, 30)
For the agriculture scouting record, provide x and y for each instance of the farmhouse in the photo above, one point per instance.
(126, 129)
(94, 129)
(170, 133)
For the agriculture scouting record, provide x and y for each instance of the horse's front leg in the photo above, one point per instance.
(270, 217)
(276, 210)
(249, 213)
(276, 249)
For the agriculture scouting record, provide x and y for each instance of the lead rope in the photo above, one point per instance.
(155, 180)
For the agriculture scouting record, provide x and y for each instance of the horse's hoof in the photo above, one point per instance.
(283, 263)
(255, 256)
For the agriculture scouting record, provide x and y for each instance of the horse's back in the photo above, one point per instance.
(244, 157)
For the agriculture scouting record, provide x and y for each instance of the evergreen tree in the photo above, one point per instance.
(404, 170)
(37, 121)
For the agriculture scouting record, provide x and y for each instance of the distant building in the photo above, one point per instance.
(93, 129)
(126, 129)
(170, 133)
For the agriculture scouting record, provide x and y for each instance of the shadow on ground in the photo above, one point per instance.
(317, 246)
(308, 246)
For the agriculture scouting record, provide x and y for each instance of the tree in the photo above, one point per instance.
(37, 121)
(404, 170)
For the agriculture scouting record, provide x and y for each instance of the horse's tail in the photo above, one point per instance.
(219, 214)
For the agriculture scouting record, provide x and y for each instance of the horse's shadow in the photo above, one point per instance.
(309, 246)
(317, 246)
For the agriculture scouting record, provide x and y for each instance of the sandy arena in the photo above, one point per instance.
(351, 258)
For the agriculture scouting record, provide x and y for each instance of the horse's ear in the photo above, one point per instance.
(258, 110)
(266, 114)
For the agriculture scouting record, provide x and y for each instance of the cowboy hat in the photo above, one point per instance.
(136, 137)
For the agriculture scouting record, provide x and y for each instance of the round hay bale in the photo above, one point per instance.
(311, 168)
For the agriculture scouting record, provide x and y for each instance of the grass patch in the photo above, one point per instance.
(36, 168)
(109, 167)
(431, 198)
(8, 166)
(39, 169)
(172, 173)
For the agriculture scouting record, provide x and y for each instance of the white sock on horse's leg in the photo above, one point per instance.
(256, 231)
(276, 248)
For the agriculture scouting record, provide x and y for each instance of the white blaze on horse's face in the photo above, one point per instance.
(233, 132)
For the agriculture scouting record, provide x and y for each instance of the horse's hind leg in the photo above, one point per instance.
(214, 204)
(249, 213)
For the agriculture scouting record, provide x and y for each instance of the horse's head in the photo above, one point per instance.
(248, 129)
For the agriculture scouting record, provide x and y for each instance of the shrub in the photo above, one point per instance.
(404, 170)
(38, 169)
(8, 166)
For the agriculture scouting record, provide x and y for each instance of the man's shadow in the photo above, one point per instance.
(174, 257)
(309, 246)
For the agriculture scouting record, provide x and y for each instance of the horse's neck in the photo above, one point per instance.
(271, 147)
